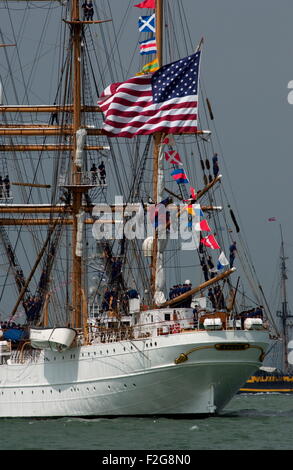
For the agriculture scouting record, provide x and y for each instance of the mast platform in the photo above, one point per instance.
(83, 180)
(6, 200)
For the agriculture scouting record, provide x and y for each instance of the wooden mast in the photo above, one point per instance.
(284, 314)
(76, 27)
(157, 140)
(76, 187)
(196, 289)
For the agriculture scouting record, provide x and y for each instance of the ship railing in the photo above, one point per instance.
(105, 334)
(100, 334)
(6, 199)
(25, 354)
(83, 178)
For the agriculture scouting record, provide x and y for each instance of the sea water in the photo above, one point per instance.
(249, 422)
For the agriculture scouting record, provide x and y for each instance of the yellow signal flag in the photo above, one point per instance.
(150, 67)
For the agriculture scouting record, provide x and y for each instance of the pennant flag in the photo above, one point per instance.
(158, 214)
(146, 4)
(169, 140)
(147, 23)
(150, 67)
(199, 212)
(193, 193)
(203, 226)
(179, 176)
(147, 104)
(190, 209)
(166, 201)
(154, 214)
(192, 197)
(210, 241)
(148, 47)
(222, 261)
(272, 219)
(173, 157)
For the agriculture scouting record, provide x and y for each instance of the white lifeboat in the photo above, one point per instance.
(57, 339)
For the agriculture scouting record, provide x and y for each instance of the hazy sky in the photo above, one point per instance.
(248, 62)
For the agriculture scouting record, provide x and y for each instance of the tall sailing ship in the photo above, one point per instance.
(103, 322)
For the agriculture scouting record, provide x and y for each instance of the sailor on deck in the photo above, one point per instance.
(215, 165)
(233, 250)
(102, 173)
(90, 11)
(84, 6)
(7, 186)
(94, 173)
(204, 269)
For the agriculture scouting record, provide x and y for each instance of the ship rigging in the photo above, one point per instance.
(141, 348)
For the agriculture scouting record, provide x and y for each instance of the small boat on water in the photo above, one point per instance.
(270, 379)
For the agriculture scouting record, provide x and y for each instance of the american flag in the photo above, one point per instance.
(165, 101)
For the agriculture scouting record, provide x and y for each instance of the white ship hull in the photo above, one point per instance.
(138, 377)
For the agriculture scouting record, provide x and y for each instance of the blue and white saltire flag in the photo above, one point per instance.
(147, 23)
(148, 47)
(222, 261)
